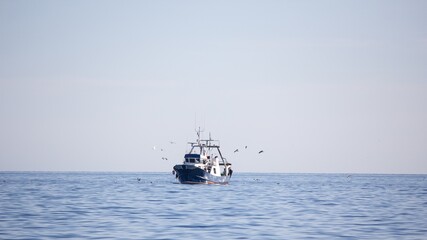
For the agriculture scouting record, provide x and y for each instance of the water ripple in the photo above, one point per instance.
(253, 206)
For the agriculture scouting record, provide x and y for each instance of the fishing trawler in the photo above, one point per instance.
(203, 164)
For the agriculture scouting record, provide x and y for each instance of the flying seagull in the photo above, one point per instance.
(236, 150)
(164, 158)
(172, 142)
(261, 151)
(246, 147)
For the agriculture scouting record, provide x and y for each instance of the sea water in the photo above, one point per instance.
(52, 205)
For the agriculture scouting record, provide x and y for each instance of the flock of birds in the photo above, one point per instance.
(172, 142)
(162, 150)
(237, 150)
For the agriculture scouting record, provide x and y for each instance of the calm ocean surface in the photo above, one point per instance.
(51, 205)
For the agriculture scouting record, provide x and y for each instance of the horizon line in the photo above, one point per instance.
(245, 172)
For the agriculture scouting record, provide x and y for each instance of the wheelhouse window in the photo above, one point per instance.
(192, 160)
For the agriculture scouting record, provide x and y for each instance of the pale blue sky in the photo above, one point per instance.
(320, 86)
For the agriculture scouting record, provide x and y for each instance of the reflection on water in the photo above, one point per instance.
(253, 206)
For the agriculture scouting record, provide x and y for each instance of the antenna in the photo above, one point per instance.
(198, 129)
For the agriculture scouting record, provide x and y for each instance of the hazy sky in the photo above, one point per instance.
(320, 86)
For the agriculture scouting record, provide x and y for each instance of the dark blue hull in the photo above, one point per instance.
(193, 175)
